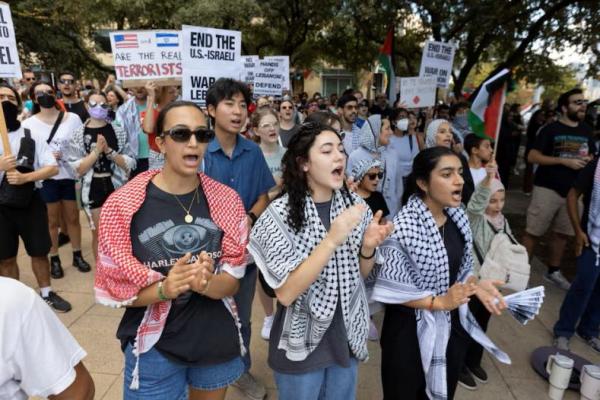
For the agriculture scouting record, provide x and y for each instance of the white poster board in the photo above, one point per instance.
(284, 66)
(418, 92)
(147, 55)
(207, 55)
(249, 65)
(10, 67)
(268, 78)
(437, 61)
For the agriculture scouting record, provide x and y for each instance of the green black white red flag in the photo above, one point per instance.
(485, 115)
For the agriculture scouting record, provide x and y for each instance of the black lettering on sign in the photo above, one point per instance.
(203, 82)
(225, 42)
(4, 32)
(5, 56)
(2, 19)
(200, 39)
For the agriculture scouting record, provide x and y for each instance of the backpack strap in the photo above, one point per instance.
(503, 230)
(27, 132)
(55, 127)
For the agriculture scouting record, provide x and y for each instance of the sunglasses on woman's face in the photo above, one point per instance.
(183, 135)
(375, 175)
(102, 104)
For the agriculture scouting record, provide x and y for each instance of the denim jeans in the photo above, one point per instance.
(582, 302)
(244, 298)
(331, 383)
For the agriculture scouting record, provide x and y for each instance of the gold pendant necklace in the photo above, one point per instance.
(188, 217)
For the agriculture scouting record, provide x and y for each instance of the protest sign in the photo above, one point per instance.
(9, 63)
(9, 57)
(208, 54)
(418, 92)
(268, 78)
(437, 61)
(249, 65)
(141, 56)
(284, 66)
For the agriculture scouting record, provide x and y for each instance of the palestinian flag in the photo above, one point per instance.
(386, 63)
(486, 109)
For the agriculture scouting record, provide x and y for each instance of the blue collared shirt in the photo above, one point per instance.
(246, 171)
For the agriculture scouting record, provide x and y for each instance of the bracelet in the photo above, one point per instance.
(111, 155)
(430, 308)
(96, 152)
(203, 293)
(365, 257)
(161, 294)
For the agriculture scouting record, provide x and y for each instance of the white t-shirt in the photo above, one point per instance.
(478, 175)
(37, 352)
(43, 154)
(405, 149)
(60, 141)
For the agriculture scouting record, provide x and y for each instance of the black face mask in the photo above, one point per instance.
(46, 100)
(11, 112)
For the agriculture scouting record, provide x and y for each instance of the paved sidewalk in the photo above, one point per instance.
(94, 326)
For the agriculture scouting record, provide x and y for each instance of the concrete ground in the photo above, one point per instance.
(94, 326)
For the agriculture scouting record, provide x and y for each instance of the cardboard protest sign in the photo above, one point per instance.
(284, 67)
(249, 65)
(10, 67)
(268, 78)
(147, 55)
(208, 54)
(9, 56)
(437, 61)
(418, 92)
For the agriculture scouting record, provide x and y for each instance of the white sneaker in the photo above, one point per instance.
(373, 333)
(558, 279)
(265, 332)
(252, 388)
(561, 343)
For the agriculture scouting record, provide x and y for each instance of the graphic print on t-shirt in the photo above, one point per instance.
(569, 146)
(167, 241)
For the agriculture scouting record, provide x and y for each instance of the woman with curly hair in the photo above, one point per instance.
(314, 245)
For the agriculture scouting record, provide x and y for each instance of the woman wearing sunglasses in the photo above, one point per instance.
(58, 192)
(171, 250)
(100, 154)
(314, 245)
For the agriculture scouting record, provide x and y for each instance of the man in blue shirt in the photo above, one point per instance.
(239, 163)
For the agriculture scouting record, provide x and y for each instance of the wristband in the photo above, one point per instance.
(430, 308)
(161, 294)
(365, 257)
(111, 155)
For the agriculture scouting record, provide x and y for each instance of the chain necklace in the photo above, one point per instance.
(188, 217)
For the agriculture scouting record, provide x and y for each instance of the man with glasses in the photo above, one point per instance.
(347, 107)
(562, 148)
(67, 87)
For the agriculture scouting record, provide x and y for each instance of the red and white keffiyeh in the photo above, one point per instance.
(120, 276)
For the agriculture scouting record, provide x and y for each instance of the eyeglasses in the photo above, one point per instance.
(269, 126)
(30, 79)
(375, 175)
(183, 135)
(102, 104)
(580, 102)
(67, 81)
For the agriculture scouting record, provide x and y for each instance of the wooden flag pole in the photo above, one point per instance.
(497, 136)
(4, 134)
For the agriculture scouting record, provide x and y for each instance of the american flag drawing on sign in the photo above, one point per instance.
(126, 41)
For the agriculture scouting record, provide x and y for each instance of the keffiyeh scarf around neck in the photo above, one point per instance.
(415, 265)
(278, 250)
(593, 227)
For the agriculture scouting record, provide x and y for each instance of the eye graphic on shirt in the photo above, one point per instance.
(184, 238)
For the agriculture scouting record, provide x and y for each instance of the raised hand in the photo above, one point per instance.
(344, 223)
(180, 277)
(377, 232)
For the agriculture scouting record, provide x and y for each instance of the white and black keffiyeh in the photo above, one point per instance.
(278, 250)
(415, 265)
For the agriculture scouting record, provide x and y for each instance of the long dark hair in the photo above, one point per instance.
(295, 182)
(423, 164)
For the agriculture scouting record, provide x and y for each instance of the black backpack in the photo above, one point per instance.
(19, 196)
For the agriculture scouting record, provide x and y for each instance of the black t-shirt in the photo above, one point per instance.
(559, 140)
(199, 330)
(376, 202)
(78, 108)
(90, 135)
(333, 348)
(287, 134)
(585, 185)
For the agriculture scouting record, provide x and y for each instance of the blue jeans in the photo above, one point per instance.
(244, 298)
(161, 378)
(582, 302)
(331, 383)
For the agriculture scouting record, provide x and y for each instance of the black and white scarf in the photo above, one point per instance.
(415, 265)
(278, 250)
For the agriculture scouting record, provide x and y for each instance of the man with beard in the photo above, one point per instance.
(128, 117)
(66, 85)
(347, 107)
(561, 149)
